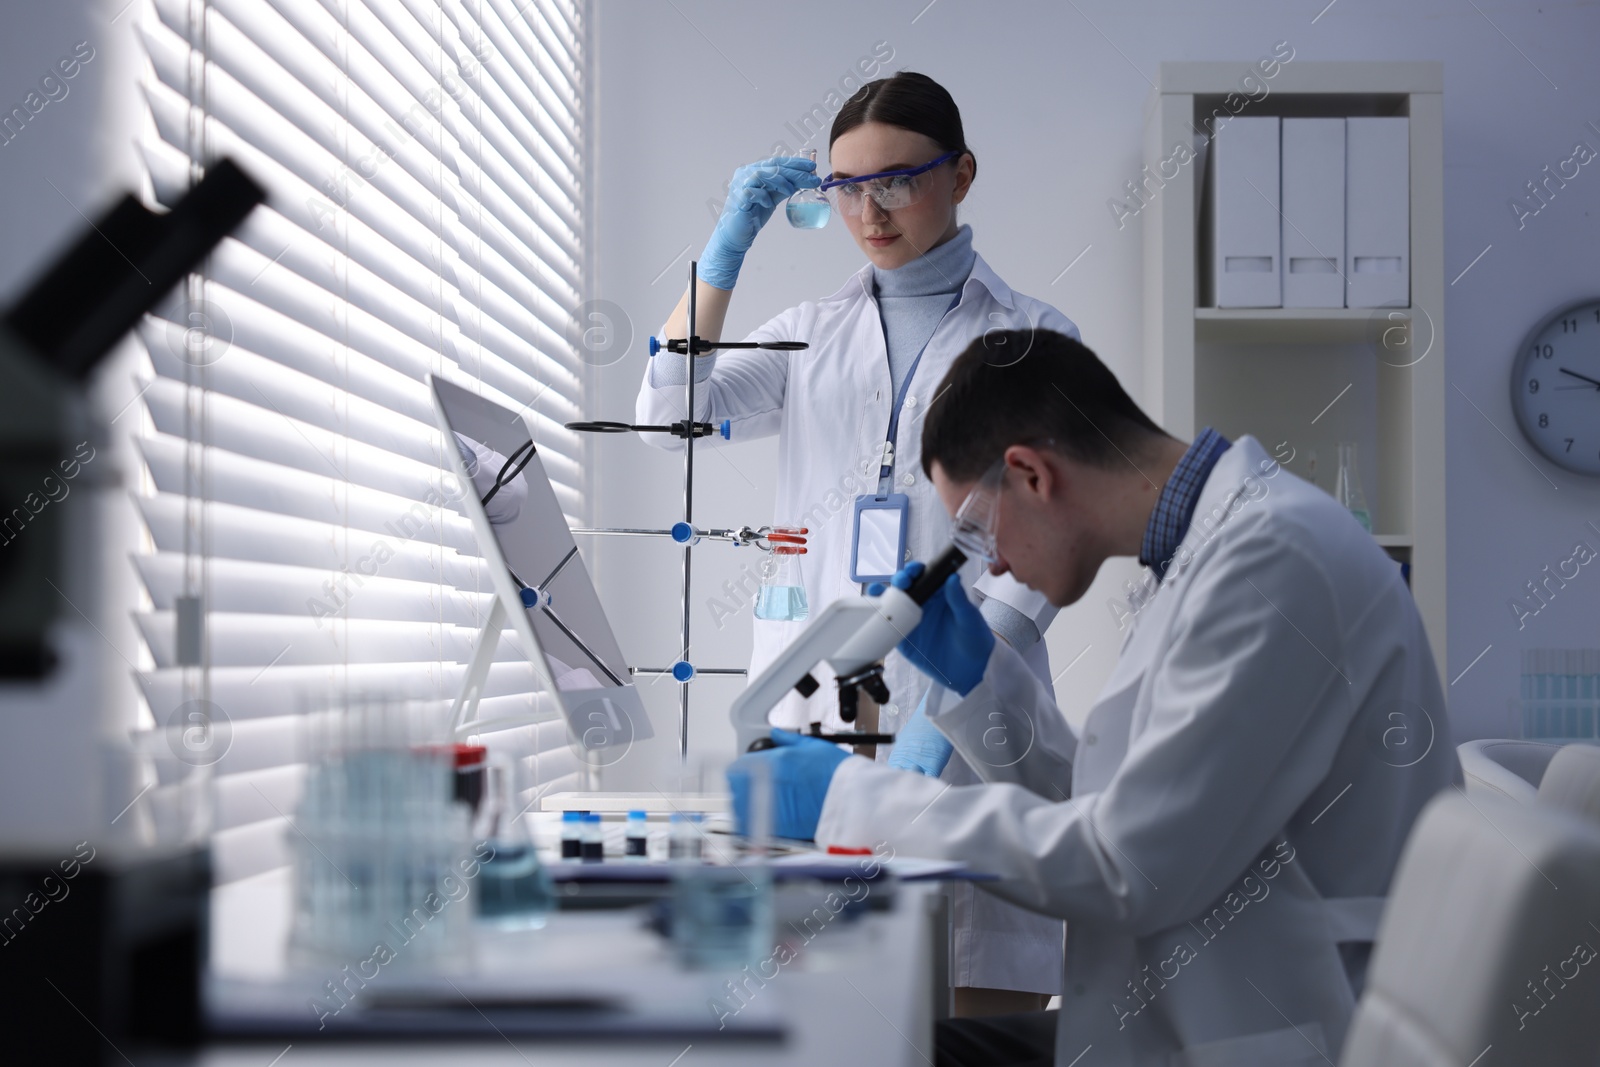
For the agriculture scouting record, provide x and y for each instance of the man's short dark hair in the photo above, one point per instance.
(1058, 391)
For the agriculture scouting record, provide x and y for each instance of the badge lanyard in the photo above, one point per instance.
(878, 541)
(891, 441)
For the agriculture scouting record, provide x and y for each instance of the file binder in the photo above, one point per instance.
(1246, 246)
(1313, 213)
(1378, 212)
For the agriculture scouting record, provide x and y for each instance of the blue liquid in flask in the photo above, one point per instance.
(513, 889)
(808, 214)
(782, 603)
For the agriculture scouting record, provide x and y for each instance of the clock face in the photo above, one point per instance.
(1555, 388)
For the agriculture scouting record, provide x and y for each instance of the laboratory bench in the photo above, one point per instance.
(593, 986)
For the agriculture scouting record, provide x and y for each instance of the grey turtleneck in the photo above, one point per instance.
(913, 298)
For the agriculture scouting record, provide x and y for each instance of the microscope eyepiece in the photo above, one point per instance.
(931, 580)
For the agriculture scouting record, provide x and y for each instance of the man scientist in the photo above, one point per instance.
(1222, 835)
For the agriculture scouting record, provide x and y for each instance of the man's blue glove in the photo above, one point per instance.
(754, 192)
(920, 746)
(800, 769)
(952, 643)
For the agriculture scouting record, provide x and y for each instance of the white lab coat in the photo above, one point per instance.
(830, 407)
(1238, 799)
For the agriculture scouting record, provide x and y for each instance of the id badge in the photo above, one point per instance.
(878, 545)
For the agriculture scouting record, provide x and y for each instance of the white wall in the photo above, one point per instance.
(1053, 97)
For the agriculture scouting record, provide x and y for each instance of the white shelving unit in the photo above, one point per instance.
(1277, 373)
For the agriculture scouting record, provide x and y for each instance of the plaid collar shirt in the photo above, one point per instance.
(1175, 507)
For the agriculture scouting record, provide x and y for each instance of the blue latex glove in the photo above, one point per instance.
(952, 643)
(920, 746)
(801, 769)
(753, 194)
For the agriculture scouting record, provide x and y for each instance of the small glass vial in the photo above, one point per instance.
(594, 847)
(808, 209)
(571, 835)
(683, 842)
(1348, 488)
(782, 596)
(638, 838)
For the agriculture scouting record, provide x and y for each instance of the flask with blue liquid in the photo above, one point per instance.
(782, 595)
(808, 209)
(513, 890)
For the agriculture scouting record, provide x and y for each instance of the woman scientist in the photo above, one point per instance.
(848, 414)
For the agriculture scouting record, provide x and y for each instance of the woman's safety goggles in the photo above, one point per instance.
(889, 189)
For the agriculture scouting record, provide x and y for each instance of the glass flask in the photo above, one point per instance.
(1347, 490)
(782, 596)
(808, 209)
(514, 891)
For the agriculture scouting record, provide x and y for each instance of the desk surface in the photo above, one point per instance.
(855, 992)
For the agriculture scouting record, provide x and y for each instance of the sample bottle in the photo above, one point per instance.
(808, 209)
(1348, 488)
(571, 835)
(638, 839)
(594, 849)
(782, 596)
(683, 840)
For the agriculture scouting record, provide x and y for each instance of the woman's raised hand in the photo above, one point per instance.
(754, 193)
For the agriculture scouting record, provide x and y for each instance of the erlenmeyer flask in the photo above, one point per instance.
(514, 890)
(782, 597)
(808, 209)
(1348, 488)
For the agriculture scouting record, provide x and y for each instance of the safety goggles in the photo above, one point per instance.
(977, 523)
(889, 189)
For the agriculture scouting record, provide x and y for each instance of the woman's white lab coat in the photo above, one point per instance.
(1221, 837)
(830, 407)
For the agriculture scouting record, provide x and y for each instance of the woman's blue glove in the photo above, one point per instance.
(952, 643)
(920, 746)
(800, 769)
(753, 194)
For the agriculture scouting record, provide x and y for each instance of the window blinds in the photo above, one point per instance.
(424, 161)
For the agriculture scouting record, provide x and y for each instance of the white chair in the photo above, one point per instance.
(1572, 781)
(1491, 902)
(1505, 768)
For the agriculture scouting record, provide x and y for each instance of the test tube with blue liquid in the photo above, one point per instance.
(808, 209)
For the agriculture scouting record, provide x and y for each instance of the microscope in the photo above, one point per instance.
(852, 636)
(104, 938)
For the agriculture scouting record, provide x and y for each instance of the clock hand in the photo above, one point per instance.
(1594, 381)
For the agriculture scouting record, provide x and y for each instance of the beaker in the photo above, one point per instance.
(722, 899)
(1347, 490)
(808, 209)
(782, 596)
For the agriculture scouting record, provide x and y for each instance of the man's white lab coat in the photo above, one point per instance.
(1221, 837)
(829, 406)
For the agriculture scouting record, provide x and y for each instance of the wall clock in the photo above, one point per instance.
(1555, 387)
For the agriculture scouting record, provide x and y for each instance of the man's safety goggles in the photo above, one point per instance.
(976, 527)
(889, 189)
